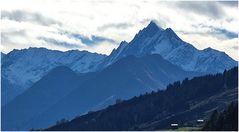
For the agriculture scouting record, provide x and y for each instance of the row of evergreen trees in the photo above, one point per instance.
(224, 121)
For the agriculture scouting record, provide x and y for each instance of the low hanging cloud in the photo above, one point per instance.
(228, 34)
(115, 26)
(24, 16)
(60, 43)
(235, 47)
(208, 8)
(6, 37)
(92, 40)
(229, 3)
(217, 32)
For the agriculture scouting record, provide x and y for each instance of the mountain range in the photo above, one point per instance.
(155, 40)
(182, 103)
(62, 87)
(41, 86)
(22, 68)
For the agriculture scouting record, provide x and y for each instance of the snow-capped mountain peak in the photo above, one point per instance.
(170, 33)
(26, 66)
(150, 30)
(155, 40)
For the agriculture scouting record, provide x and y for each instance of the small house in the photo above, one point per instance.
(174, 126)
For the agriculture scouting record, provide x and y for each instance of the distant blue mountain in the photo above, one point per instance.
(22, 68)
(58, 83)
(62, 94)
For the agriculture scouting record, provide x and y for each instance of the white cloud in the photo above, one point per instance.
(118, 20)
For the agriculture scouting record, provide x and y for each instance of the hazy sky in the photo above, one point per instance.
(100, 25)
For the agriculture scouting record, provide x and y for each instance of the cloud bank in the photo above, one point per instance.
(99, 26)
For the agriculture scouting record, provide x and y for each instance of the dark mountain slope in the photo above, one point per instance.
(181, 103)
(124, 79)
(43, 94)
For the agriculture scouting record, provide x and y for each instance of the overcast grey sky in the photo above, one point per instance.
(100, 25)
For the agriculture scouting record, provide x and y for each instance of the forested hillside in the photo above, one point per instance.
(223, 121)
(182, 103)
